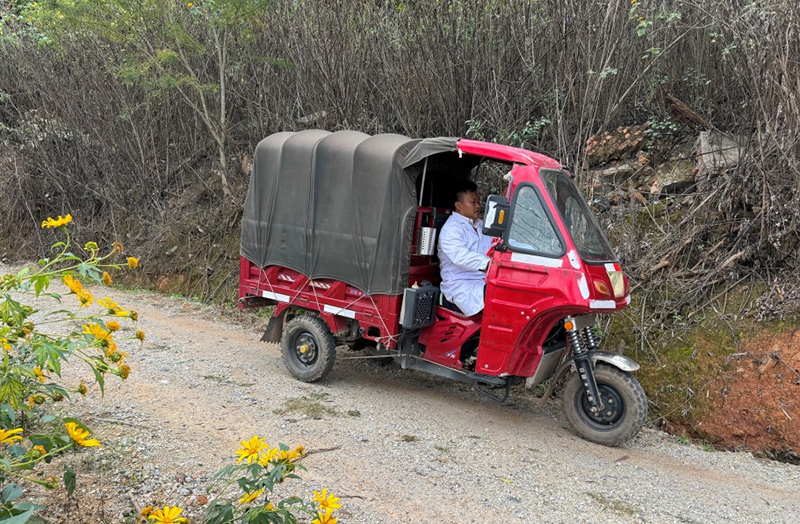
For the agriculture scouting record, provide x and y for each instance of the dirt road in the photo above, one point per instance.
(411, 448)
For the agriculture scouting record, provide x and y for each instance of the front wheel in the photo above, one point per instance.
(624, 411)
(308, 347)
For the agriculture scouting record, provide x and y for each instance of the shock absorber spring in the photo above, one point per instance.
(591, 340)
(582, 362)
(576, 342)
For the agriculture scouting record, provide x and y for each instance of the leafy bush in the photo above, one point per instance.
(34, 347)
(257, 472)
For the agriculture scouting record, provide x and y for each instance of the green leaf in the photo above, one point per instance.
(21, 518)
(55, 389)
(69, 480)
(11, 311)
(100, 381)
(219, 512)
(12, 492)
(16, 451)
(50, 355)
(225, 472)
(40, 283)
(11, 391)
(8, 415)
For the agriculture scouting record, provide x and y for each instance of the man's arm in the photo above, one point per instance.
(452, 244)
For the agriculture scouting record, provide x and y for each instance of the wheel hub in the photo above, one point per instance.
(305, 347)
(613, 407)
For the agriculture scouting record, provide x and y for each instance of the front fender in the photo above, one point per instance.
(620, 362)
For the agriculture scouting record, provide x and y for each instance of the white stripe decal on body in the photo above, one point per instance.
(602, 304)
(339, 311)
(275, 296)
(536, 260)
(583, 286)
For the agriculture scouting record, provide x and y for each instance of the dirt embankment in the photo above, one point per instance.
(756, 401)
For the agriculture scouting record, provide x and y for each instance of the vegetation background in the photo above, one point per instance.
(140, 116)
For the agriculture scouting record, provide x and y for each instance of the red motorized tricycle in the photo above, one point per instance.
(339, 234)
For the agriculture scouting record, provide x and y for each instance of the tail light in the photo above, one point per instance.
(617, 278)
(602, 288)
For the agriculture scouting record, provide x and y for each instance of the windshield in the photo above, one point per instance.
(579, 219)
(531, 230)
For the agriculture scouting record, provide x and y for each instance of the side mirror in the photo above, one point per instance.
(495, 218)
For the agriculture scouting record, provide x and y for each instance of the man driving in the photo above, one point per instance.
(462, 252)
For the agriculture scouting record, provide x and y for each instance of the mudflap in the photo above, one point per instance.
(274, 328)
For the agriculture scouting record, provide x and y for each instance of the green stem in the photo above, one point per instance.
(52, 452)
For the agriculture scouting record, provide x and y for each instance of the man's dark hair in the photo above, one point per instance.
(463, 187)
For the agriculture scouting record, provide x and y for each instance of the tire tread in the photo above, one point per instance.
(326, 352)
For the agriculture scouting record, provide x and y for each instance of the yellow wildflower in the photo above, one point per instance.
(61, 221)
(327, 518)
(140, 335)
(250, 497)
(8, 436)
(39, 451)
(85, 297)
(110, 305)
(106, 278)
(265, 458)
(297, 453)
(326, 501)
(79, 436)
(4, 344)
(270, 507)
(82, 388)
(112, 325)
(38, 372)
(31, 402)
(250, 449)
(90, 246)
(114, 355)
(73, 284)
(134, 315)
(96, 330)
(124, 371)
(117, 247)
(133, 262)
(167, 515)
(145, 513)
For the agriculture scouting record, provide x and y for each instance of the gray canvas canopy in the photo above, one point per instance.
(337, 205)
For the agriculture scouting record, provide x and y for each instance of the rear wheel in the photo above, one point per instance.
(624, 411)
(309, 350)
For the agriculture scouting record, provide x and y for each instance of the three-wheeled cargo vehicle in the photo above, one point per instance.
(339, 235)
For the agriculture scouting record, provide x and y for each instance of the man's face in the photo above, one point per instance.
(469, 206)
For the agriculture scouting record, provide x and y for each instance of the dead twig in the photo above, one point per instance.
(323, 450)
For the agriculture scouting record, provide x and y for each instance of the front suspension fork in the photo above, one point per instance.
(583, 363)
